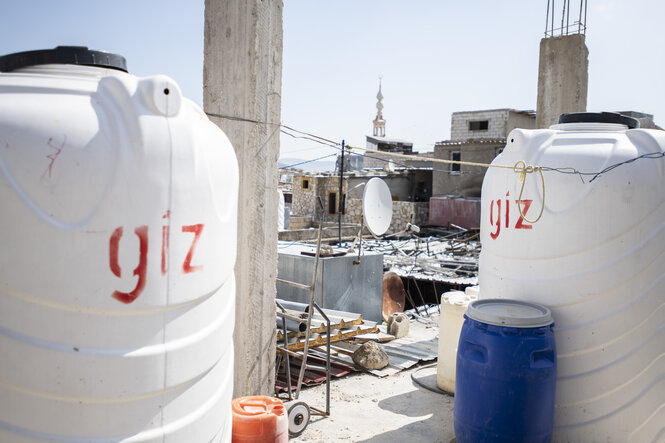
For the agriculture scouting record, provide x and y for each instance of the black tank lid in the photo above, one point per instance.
(600, 117)
(67, 55)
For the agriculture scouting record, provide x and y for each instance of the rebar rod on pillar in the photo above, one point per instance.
(567, 17)
(552, 34)
(585, 5)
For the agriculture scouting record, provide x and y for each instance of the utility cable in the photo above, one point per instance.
(520, 167)
(308, 161)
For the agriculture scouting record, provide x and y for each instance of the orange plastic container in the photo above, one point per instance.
(259, 419)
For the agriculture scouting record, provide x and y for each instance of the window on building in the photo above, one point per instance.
(479, 125)
(332, 202)
(455, 156)
(305, 184)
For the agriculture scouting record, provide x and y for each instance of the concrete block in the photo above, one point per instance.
(398, 325)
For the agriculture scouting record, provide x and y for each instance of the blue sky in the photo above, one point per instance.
(435, 56)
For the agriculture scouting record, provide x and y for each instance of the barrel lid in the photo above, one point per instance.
(63, 55)
(512, 313)
(599, 117)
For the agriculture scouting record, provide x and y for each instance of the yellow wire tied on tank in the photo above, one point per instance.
(523, 169)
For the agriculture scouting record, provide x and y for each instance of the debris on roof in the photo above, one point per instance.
(445, 255)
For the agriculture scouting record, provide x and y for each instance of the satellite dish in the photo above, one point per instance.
(377, 206)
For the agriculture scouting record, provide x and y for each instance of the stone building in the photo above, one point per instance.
(476, 136)
(409, 188)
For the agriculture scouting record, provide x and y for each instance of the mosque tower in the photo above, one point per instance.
(379, 122)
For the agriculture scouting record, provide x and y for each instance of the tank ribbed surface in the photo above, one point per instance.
(596, 259)
(118, 234)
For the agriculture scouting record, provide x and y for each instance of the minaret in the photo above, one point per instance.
(379, 122)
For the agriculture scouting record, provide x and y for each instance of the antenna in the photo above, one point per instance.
(377, 206)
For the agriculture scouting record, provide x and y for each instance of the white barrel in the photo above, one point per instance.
(118, 236)
(595, 258)
(453, 307)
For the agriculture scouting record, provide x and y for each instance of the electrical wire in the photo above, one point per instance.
(650, 155)
(332, 144)
(307, 161)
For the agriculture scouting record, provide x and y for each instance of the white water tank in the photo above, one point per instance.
(596, 259)
(118, 237)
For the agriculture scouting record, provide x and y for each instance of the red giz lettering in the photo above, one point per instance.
(495, 234)
(140, 271)
(525, 206)
(187, 265)
(507, 210)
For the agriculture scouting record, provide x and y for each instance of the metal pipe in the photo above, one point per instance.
(436, 297)
(420, 294)
(288, 316)
(311, 304)
(323, 314)
(408, 293)
(293, 305)
(294, 284)
(286, 359)
(291, 325)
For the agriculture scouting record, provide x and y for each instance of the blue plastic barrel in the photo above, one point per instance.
(506, 373)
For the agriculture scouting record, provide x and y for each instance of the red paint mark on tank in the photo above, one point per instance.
(54, 155)
(187, 265)
(113, 252)
(494, 235)
(140, 271)
(167, 214)
(165, 248)
(526, 205)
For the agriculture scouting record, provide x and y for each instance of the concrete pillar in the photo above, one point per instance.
(562, 78)
(242, 78)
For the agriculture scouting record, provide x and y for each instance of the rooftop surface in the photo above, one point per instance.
(393, 408)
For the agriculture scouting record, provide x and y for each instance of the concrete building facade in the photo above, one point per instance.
(476, 136)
